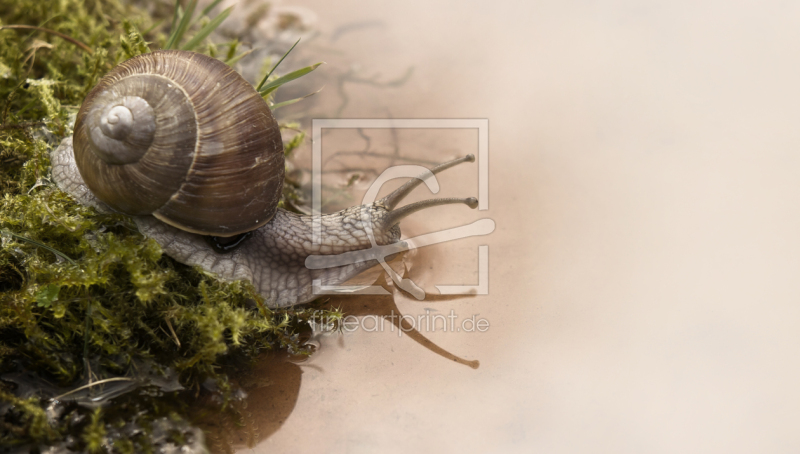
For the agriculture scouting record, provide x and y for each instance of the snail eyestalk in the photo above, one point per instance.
(391, 200)
(395, 216)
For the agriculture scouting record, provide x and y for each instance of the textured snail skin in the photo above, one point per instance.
(273, 258)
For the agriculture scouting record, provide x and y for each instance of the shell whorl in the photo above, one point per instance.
(183, 137)
(123, 130)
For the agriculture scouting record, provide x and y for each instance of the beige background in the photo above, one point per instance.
(643, 285)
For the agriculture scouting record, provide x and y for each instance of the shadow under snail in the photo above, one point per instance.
(189, 149)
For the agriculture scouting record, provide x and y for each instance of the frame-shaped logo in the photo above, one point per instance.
(480, 227)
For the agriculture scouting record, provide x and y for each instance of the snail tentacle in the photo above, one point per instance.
(397, 196)
(396, 215)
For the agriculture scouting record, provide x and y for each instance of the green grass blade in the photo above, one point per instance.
(234, 60)
(175, 15)
(292, 101)
(177, 34)
(258, 88)
(205, 31)
(207, 10)
(41, 245)
(153, 27)
(272, 86)
(233, 46)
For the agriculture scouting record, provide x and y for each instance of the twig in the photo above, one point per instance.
(100, 382)
(86, 337)
(23, 125)
(171, 330)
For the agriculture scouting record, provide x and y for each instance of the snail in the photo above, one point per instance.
(188, 148)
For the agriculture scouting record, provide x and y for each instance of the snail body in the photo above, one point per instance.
(189, 149)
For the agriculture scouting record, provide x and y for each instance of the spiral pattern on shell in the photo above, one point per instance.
(183, 137)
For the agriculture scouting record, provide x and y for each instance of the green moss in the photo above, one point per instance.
(118, 307)
(95, 432)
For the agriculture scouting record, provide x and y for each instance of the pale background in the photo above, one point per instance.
(643, 297)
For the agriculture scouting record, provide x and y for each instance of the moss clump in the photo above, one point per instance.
(115, 348)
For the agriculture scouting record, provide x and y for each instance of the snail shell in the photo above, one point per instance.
(183, 137)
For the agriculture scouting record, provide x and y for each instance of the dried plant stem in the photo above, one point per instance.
(99, 382)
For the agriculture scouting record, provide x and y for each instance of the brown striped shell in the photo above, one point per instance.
(183, 137)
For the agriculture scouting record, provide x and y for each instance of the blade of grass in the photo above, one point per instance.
(153, 27)
(205, 31)
(178, 15)
(292, 101)
(177, 34)
(234, 60)
(258, 88)
(272, 86)
(233, 46)
(175, 15)
(51, 32)
(207, 10)
(38, 244)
